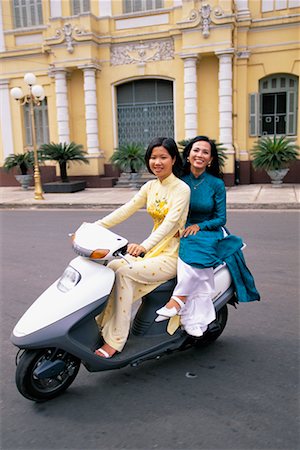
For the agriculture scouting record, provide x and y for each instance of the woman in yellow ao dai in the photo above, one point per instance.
(167, 199)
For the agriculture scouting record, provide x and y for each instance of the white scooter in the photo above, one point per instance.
(59, 332)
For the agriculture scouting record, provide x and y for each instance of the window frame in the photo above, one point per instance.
(291, 110)
(144, 106)
(80, 7)
(27, 13)
(128, 6)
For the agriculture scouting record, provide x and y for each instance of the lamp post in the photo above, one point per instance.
(35, 96)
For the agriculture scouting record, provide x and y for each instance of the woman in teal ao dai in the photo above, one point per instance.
(198, 245)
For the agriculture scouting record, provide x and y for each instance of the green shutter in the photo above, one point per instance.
(291, 113)
(254, 114)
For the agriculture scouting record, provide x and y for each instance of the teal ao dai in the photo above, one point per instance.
(208, 210)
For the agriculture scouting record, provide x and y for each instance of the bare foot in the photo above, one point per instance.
(173, 304)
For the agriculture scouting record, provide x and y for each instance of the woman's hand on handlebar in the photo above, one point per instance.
(191, 230)
(135, 249)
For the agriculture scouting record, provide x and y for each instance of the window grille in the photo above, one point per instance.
(27, 13)
(131, 6)
(41, 124)
(273, 111)
(145, 110)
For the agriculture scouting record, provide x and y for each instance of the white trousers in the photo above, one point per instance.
(198, 286)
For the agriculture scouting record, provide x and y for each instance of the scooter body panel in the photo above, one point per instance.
(222, 281)
(95, 280)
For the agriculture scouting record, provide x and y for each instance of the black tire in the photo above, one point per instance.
(215, 329)
(41, 389)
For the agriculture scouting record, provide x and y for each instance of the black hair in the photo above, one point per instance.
(214, 168)
(170, 145)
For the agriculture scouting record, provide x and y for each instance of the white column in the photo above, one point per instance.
(55, 8)
(190, 96)
(2, 41)
(225, 99)
(62, 106)
(91, 113)
(5, 119)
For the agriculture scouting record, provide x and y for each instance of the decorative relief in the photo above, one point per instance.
(142, 52)
(205, 13)
(202, 17)
(67, 32)
(205, 19)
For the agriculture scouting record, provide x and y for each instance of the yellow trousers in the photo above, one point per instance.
(132, 283)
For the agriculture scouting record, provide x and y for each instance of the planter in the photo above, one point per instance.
(64, 188)
(24, 180)
(277, 176)
(134, 180)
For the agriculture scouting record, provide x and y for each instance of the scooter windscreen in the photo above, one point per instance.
(96, 242)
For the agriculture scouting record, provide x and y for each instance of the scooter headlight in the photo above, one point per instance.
(68, 280)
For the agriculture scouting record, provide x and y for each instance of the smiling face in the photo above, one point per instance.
(200, 157)
(161, 162)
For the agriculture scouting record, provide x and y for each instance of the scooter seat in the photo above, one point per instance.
(167, 286)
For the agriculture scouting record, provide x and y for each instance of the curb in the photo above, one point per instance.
(261, 206)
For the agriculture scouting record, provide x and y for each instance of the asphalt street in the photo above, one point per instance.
(244, 394)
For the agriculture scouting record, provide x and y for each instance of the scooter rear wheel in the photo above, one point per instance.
(216, 330)
(41, 389)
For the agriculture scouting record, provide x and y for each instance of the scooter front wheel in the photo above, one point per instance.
(38, 385)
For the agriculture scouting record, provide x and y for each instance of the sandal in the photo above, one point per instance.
(103, 353)
(165, 313)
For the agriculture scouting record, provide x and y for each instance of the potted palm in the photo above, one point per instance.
(64, 154)
(274, 154)
(23, 162)
(130, 159)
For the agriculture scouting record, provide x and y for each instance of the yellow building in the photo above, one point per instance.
(117, 71)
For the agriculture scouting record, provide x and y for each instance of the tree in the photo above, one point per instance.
(23, 161)
(129, 157)
(64, 153)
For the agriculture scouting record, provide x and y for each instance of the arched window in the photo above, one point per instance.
(145, 110)
(273, 111)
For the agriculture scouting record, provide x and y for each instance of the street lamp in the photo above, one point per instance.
(35, 96)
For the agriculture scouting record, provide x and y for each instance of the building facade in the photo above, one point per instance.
(118, 71)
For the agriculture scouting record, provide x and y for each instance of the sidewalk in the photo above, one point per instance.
(252, 196)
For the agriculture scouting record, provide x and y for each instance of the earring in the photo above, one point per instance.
(209, 164)
(188, 159)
